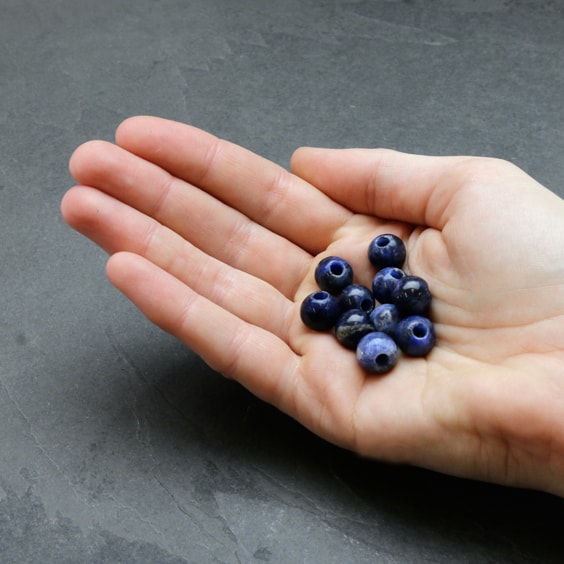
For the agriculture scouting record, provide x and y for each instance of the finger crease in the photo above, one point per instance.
(211, 156)
(164, 193)
(275, 192)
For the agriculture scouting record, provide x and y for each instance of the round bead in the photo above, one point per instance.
(351, 326)
(356, 296)
(320, 310)
(385, 317)
(411, 296)
(384, 283)
(333, 274)
(415, 335)
(377, 353)
(386, 250)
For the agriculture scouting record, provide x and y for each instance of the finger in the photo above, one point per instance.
(412, 188)
(198, 217)
(253, 356)
(117, 227)
(257, 187)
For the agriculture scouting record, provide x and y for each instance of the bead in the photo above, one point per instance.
(351, 326)
(377, 353)
(333, 274)
(384, 283)
(356, 296)
(411, 296)
(320, 310)
(415, 335)
(386, 250)
(385, 317)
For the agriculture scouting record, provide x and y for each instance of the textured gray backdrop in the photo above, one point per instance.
(119, 445)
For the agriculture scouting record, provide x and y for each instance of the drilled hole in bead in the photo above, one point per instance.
(382, 360)
(382, 241)
(320, 296)
(420, 331)
(366, 305)
(336, 268)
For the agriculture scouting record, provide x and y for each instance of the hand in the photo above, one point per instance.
(218, 246)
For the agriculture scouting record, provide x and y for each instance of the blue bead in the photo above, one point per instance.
(377, 353)
(320, 310)
(415, 335)
(356, 296)
(386, 250)
(384, 283)
(385, 317)
(411, 296)
(333, 274)
(351, 326)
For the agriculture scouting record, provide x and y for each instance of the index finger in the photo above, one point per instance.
(262, 190)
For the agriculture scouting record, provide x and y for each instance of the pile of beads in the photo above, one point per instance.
(377, 323)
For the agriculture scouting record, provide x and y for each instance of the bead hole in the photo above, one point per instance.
(420, 331)
(382, 241)
(319, 296)
(382, 360)
(336, 268)
(366, 305)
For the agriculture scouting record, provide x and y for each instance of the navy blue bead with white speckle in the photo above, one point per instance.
(415, 335)
(333, 274)
(377, 353)
(320, 310)
(386, 250)
(411, 296)
(384, 283)
(385, 317)
(356, 296)
(351, 326)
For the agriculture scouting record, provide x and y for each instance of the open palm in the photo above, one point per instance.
(218, 246)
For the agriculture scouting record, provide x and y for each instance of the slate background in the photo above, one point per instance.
(119, 445)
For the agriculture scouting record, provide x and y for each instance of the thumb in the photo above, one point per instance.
(389, 184)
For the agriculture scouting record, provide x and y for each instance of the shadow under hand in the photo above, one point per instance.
(210, 436)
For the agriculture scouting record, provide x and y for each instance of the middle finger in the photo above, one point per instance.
(214, 227)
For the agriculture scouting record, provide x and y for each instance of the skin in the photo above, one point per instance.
(218, 246)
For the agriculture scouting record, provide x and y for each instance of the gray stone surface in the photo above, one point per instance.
(119, 445)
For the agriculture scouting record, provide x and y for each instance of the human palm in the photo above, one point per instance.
(218, 246)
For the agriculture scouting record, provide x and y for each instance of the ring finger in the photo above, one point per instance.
(116, 227)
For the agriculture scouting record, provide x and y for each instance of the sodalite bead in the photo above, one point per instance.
(386, 250)
(384, 283)
(356, 296)
(351, 326)
(377, 353)
(415, 335)
(320, 310)
(333, 274)
(411, 296)
(385, 317)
